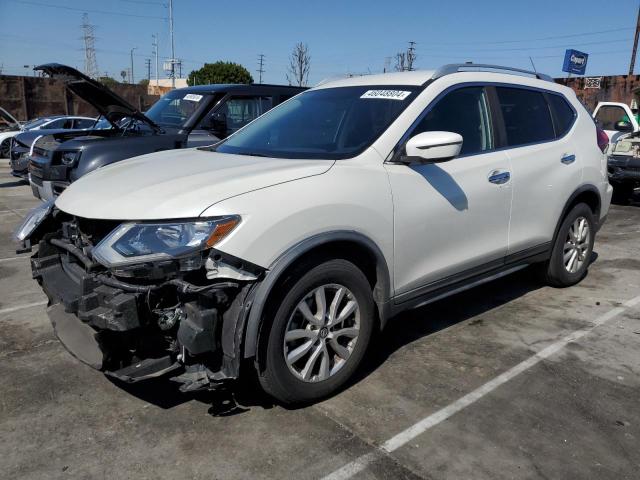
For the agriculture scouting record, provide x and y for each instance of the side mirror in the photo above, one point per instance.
(218, 124)
(433, 147)
(623, 126)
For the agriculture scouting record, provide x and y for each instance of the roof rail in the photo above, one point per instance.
(479, 67)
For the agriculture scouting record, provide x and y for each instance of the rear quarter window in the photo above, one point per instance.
(564, 115)
(526, 115)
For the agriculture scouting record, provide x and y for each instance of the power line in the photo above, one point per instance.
(261, 64)
(554, 37)
(104, 12)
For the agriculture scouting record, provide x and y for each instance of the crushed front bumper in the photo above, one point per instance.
(108, 325)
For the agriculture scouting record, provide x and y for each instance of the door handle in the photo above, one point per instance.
(567, 158)
(499, 177)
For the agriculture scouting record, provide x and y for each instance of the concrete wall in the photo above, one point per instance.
(618, 88)
(30, 97)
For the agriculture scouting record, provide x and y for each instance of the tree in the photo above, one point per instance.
(220, 72)
(123, 74)
(144, 82)
(108, 81)
(299, 65)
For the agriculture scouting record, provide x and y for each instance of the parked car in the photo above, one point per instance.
(295, 239)
(187, 117)
(616, 119)
(620, 123)
(22, 142)
(9, 127)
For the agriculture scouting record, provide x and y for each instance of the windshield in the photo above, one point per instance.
(175, 108)
(331, 123)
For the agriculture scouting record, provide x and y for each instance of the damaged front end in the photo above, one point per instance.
(143, 300)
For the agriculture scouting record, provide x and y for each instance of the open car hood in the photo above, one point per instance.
(112, 106)
(10, 120)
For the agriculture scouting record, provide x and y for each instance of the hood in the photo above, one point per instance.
(177, 184)
(8, 121)
(112, 106)
(58, 135)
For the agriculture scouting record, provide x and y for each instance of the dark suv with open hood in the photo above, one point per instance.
(187, 117)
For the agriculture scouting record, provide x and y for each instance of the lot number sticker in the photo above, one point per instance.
(193, 97)
(386, 94)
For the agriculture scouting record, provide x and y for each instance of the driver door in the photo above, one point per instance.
(451, 219)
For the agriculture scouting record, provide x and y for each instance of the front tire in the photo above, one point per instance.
(572, 249)
(319, 334)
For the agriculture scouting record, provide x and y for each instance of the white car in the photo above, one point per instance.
(9, 127)
(616, 119)
(296, 238)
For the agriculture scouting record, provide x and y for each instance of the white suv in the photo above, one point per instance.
(295, 239)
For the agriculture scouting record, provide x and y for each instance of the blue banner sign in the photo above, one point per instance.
(575, 62)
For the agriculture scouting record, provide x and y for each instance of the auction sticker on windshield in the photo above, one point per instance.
(386, 94)
(193, 97)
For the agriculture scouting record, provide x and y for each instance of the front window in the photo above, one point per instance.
(331, 123)
(175, 108)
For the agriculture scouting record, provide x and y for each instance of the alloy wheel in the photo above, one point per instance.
(576, 246)
(322, 332)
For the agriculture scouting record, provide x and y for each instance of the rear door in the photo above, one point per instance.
(545, 164)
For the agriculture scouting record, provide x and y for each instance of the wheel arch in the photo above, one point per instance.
(588, 194)
(349, 245)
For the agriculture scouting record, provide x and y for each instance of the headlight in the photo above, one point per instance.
(70, 157)
(32, 220)
(132, 243)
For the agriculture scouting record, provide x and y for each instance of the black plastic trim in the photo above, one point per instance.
(381, 294)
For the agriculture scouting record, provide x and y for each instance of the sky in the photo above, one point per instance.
(344, 37)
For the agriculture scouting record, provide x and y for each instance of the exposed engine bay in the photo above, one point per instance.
(138, 320)
(624, 160)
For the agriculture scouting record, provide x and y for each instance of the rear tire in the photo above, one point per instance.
(572, 249)
(327, 313)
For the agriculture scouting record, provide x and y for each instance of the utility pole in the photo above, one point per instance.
(261, 64)
(131, 78)
(88, 37)
(173, 48)
(635, 45)
(147, 62)
(155, 52)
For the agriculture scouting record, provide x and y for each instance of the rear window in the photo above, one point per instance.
(563, 114)
(526, 116)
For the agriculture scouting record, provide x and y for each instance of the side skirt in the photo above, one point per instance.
(469, 279)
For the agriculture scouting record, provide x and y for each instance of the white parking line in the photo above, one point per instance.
(21, 307)
(11, 259)
(402, 438)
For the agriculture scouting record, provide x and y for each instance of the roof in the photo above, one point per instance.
(415, 77)
(422, 77)
(240, 87)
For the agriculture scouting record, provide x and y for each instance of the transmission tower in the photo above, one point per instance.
(261, 65)
(411, 55)
(90, 62)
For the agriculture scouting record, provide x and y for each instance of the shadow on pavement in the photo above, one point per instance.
(408, 327)
(15, 183)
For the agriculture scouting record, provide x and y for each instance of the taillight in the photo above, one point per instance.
(603, 139)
